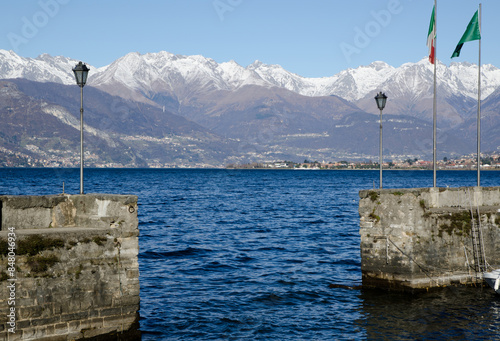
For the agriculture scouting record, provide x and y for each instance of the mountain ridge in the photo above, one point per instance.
(230, 75)
(258, 112)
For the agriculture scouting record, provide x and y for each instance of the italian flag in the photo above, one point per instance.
(431, 38)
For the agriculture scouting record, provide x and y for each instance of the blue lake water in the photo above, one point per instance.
(250, 255)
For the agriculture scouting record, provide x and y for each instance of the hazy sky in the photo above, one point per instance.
(313, 38)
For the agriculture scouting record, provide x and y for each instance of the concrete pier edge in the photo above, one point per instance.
(75, 267)
(421, 238)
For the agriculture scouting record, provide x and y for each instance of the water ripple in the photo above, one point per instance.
(268, 255)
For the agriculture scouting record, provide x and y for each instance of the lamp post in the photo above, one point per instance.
(381, 99)
(81, 72)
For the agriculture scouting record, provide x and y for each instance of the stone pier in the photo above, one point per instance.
(421, 238)
(73, 270)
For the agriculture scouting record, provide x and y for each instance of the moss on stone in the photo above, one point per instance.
(458, 223)
(373, 195)
(423, 204)
(39, 263)
(4, 247)
(79, 271)
(374, 216)
(71, 244)
(99, 240)
(33, 245)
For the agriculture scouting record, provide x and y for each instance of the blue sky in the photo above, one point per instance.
(313, 38)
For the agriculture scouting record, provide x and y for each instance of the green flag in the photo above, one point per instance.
(471, 33)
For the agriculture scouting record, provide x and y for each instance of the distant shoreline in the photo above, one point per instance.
(237, 168)
(355, 169)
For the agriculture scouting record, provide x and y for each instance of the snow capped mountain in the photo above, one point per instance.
(466, 74)
(44, 68)
(236, 76)
(275, 75)
(458, 79)
(166, 72)
(262, 105)
(410, 90)
(144, 76)
(351, 84)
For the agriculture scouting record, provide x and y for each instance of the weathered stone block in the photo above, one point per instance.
(95, 332)
(28, 218)
(110, 312)
(22, 324)
(33, 333)
(128, 300)
(65, 300)
(97, 321)
(11, 337)
(421, 238)
(27, 311)
(49, 329)
(129, 309)
(53, 338)
(119, 321)
(78, 316)
(73, 325)
(86, 324)
(60, 328)
(63, 215)
(46, 321)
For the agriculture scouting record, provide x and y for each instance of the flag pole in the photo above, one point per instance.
(434, 101)
(479, 109)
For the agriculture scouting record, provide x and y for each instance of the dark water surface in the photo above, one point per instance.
(247, 254)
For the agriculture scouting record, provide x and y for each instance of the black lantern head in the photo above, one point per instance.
(81, 72)
(381, 99)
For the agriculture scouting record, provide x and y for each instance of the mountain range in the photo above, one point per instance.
(161, 109)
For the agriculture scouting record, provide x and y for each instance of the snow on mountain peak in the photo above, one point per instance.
(379, 65)
(256, 64)
(165, 72)
(44, 68)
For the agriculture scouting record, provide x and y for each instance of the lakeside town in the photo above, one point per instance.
(8, 158)
(489, 161)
